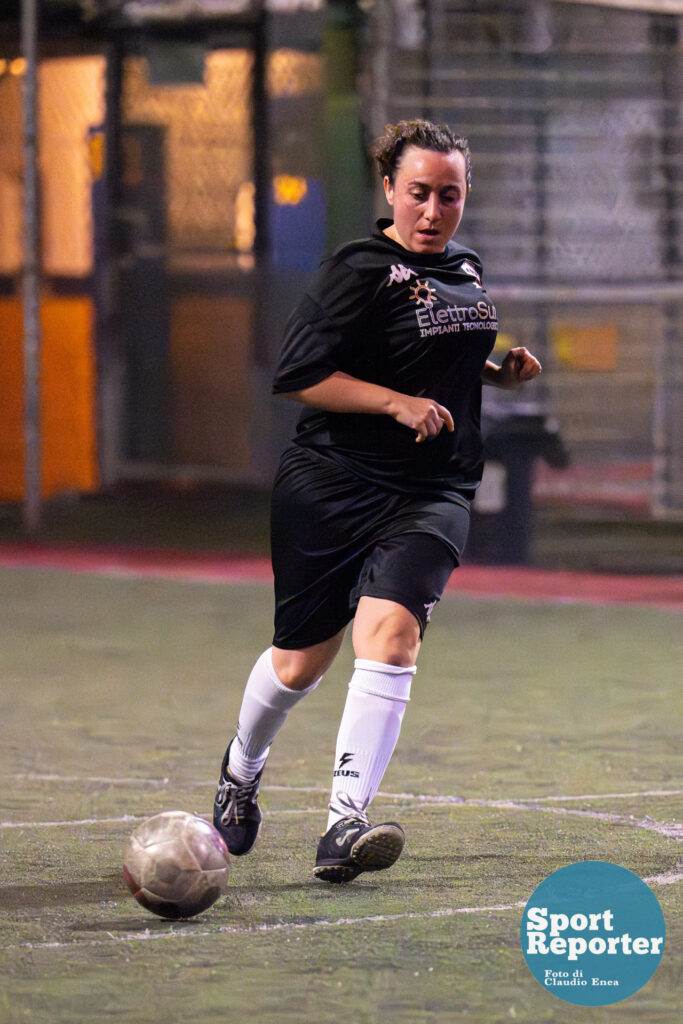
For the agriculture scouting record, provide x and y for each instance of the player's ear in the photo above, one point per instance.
(388, 190)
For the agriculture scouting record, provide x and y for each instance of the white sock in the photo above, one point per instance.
(368, 734)
(265, 706)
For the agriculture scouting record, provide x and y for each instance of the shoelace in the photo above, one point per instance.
(237, 797)
(343, 804)
(357, 822)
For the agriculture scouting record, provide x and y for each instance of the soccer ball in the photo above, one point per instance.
(176, 864)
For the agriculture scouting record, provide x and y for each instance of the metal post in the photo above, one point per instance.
(667, 426)
(262, 141)
(380, 71)
(31, 273)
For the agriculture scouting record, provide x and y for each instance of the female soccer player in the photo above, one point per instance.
(387, 352)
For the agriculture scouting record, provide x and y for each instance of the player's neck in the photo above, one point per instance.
(393, 234)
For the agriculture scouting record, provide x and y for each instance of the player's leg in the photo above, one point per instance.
(386, 639)
(278, 681)
(402, 581)
(313, 573)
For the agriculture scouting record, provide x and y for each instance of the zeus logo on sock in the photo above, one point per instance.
(343, 771)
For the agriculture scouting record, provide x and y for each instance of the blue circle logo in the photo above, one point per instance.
(593, 933)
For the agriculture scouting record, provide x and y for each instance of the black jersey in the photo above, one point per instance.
(420, 324)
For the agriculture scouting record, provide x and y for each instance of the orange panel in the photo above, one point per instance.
(11, 390)
(586, 348)
(68, 402)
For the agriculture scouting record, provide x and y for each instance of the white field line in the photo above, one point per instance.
(257, 929)
(421, 797)
(289, 926)
(525, 804)
(668, 878)
(75, 822)
(669, 829)
(598, 796)
(88, 779)
(285, 926)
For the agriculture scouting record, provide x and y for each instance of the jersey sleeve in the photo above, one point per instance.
(320, 333)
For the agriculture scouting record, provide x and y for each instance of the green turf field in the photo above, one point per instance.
(538, 735)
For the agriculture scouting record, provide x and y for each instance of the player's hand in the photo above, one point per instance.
(423, 415)
(518, 366)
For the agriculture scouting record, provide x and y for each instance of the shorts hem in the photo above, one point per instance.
(384, 594)
(294, 644)
(422, 532)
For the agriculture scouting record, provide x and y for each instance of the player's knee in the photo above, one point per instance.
(294, 670)
(397, 648)
(386, 632)
(299, 669)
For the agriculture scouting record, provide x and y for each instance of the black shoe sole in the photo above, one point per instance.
(376, 850)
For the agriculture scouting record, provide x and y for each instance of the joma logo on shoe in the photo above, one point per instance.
(342, 840)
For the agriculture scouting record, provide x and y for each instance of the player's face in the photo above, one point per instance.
(428, 197)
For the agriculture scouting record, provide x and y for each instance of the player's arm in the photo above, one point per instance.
(342, 393)
(518, 366)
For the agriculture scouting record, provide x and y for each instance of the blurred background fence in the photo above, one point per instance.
(574, 116)
(198, 159)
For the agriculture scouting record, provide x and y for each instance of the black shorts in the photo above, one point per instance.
(336, 538)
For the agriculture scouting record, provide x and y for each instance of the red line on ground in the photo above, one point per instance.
(473, 581)
(564, 586)
(160, 564)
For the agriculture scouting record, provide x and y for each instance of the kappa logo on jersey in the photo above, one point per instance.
(343, 771)
(400, 274)
(469, 268)
(429, 608)
(423, 293)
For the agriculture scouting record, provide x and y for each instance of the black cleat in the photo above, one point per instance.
(236, 814)
(352, 845)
